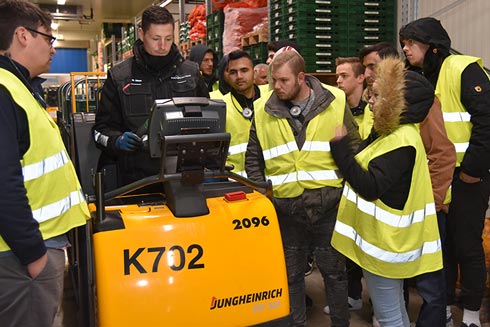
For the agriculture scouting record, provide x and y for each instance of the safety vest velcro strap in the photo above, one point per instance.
(238, 148)
(452, 117)
(385, 216)
(45, 166)
(316, 146)
(302, 175)
(461, 147)
(384, 255)
(58, 208)
(280, 150)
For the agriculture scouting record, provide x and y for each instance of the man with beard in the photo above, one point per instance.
(289, 145)
(156, 71)
(241, 101)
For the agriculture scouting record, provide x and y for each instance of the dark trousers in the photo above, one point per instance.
(354, 276)
(464, 241)
(26, 301)
(432, 288)
(307, 222)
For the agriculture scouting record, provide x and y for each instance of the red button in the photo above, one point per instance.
(235, 196)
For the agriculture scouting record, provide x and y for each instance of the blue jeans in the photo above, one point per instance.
(387, 297)
(307, 224)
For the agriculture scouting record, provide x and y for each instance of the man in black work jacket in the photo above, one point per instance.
(156, 71)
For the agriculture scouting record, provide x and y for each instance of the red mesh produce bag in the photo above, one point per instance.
(238, 22)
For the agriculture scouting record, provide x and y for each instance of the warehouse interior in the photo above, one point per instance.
(95, 35)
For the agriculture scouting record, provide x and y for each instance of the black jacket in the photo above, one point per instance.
(126, 99)
(17, 226)
(388, 176)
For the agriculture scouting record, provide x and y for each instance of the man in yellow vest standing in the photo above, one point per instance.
(463, 88)
(289, 145)
(41, 198)
(241, 102)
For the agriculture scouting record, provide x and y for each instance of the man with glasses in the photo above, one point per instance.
(41, 198)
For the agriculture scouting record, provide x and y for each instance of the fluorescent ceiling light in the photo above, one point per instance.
(164, 3)
(61, 2)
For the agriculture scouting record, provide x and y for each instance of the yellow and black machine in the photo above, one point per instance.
(195, 245)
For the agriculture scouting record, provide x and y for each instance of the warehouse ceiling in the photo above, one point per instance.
(88, 15)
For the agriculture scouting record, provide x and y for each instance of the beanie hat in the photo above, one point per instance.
(427, 30)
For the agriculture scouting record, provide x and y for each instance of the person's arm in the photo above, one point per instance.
(254, 159)
(475, 96)
(383, 172)
(17, 226)
(108, 119)
(441, 154)
(352, 129)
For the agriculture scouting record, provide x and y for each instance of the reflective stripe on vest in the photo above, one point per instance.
(383, 255)
(58, 208)
(52, 186)
(393, 243)
(291, 169)
(448, 90)
(49, 164)
(385, 216)
(236, 149)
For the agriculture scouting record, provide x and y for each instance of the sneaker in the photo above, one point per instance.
(449, 321)
(375, 322)
(353, 305)
(470, 325)
(309, 267)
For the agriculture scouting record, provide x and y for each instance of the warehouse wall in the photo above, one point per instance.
(467, 22)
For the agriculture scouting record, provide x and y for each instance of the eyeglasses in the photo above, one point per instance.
(48, 37)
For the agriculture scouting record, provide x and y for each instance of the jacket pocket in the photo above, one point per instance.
(183, 86)
(137, 99)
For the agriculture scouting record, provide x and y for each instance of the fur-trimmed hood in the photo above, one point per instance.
(403, 97)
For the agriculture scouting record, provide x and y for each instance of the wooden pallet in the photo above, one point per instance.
(254, 37)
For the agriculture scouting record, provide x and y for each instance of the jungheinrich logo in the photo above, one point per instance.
(217, 303)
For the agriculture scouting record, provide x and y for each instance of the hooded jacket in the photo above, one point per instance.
(196, 55)
(404, 98)
(474, 90)
(126, 99)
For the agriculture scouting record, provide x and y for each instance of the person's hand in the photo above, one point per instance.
(340, 132)
(128, 142)
(34, 268)
(467, 178)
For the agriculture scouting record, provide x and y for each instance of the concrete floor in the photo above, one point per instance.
(315, 315)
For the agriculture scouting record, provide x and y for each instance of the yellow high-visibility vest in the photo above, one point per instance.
(290, 169)
(53, 189)
(385, 241)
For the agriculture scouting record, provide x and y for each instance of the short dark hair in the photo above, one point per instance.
(238, 54)
(15, 13)
(156, 15)
(384, 49)
(355, 63)
(276, 45)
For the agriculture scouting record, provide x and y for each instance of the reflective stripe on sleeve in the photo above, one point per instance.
(383, 255)
(45, 166)
(58, 208)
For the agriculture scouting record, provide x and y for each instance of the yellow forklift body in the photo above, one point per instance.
(225, 268)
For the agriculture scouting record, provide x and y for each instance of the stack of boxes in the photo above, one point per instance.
(214, 31)
(327, 29)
